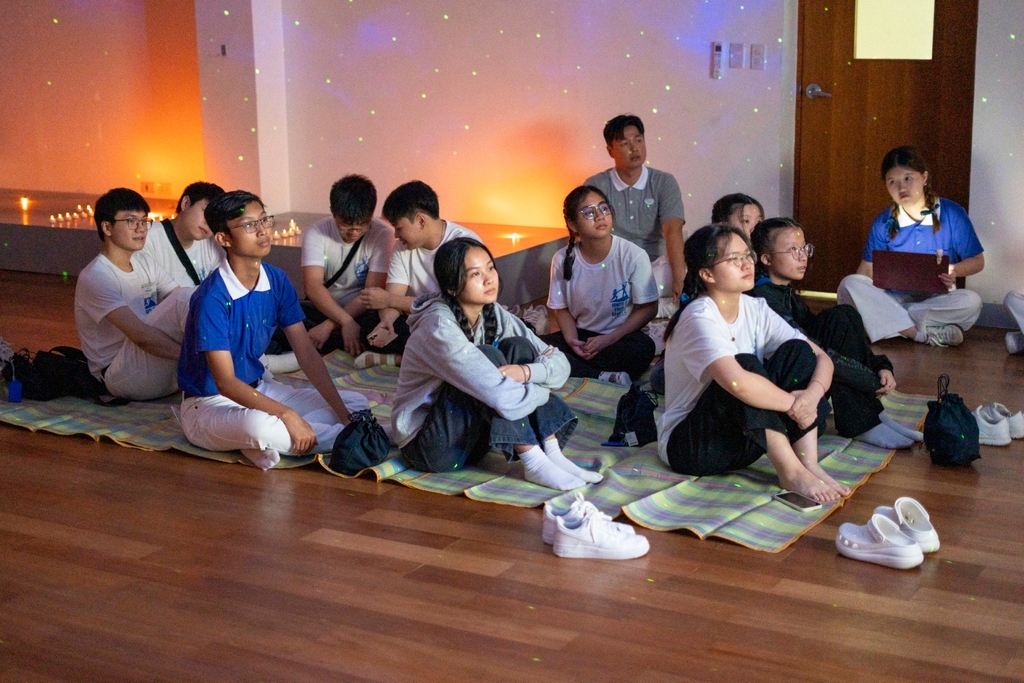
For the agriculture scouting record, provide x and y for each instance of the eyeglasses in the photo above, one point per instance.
(590, 212)
(252, 226)
(738, 259)
(801, 253)
(133, 223)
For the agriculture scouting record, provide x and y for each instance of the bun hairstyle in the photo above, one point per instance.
(701, 250)
(570, 211)
(909, 157)
(726, 206)
(764, 235)
(450, 271)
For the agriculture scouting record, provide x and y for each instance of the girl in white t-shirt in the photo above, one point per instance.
(739, 380)
(602, 293)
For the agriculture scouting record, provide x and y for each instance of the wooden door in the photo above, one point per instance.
(875, 105)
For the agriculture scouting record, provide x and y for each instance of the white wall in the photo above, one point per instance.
(997, 160)
(536, 106)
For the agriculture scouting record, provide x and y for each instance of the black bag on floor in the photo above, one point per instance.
(634, 419)
(33, 385)
(363, 443)
(950, 430)
(61, 371)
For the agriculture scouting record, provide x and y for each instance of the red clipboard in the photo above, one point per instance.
(908, 272)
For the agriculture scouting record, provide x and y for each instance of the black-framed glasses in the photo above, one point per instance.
(738, 259)
(252, 226)
(133, 223)
(591, 211)
(798, 253)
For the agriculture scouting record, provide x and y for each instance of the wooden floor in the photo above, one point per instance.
(123, 565)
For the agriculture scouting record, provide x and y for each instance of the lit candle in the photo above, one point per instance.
(67, 215)
(88, 207)
(79, 207)
(277, 235)
(24, 203)
(53, 219)
(76, 215)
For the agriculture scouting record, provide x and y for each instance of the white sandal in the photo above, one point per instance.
(879, 541)
(912, 519)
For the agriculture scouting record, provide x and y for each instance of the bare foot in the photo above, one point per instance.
(812, 466)
(802, 481)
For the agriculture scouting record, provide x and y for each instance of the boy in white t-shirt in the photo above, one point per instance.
(414, 211)
(341, 256)
(129, 312)
(188, 228)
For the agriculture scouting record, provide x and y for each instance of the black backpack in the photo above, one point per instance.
(950, 430)
(634, 419)
(46, 375)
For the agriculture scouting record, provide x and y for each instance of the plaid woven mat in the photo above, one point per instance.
(737, 506)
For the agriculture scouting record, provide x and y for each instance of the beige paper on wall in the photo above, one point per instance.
(894, 29)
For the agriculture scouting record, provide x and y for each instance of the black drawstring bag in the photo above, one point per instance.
(363, 443)
(634, 419)
(46, 375)
(950, 430)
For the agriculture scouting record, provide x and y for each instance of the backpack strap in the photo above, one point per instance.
(180, 251)
(344, 265)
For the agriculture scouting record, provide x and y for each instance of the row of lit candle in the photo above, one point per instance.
(290, 232)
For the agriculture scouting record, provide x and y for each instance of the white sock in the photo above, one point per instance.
(369, 358)
(884, 437)
(540, 470)
(556, 456)
(621, 378)
(264, 458)
(900, 429)
(283, 363)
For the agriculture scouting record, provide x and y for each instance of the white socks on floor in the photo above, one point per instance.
(264, 458)
(556, 456)
(900, 429)
(540, 469)
(883, 436)
(621, 378)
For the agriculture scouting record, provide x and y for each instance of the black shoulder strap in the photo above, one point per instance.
(348, 260)
(180, 251)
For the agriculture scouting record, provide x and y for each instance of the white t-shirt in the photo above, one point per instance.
(102, 288)
(415, 267)
(322, 246)
(701, 337)
(205, 255)
(600, 296)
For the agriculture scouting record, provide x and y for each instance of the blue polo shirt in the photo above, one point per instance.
(224, 315)
(956, 236)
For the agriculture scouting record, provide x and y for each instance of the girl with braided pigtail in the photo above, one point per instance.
(602, 293)
(920, 222)
(474, 377)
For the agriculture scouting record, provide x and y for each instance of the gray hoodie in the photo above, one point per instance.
(438, 352)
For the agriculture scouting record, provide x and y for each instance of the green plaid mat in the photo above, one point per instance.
(737, 506)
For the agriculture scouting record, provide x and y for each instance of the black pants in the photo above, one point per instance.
(367, 322)
(460, 429)
(633, 354)
(840, 331)
(723, 433)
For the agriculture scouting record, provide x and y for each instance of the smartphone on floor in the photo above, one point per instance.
(797, 501)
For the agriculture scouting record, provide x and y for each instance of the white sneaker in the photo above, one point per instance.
(575, 513)
(538, 317)
(592, 537)
(945, 335)
(880, 541)
(282, 363)
(1014, 342)
(995, 411)
(656, 331)
(992, 431)
(913, 520)
(621, 378)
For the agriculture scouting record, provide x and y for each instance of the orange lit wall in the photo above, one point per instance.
(96, 95)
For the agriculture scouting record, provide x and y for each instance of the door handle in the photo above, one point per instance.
(814, 91)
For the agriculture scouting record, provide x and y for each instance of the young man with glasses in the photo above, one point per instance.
(341, 256)
(647, 203)
(128, 311)
(228, 402)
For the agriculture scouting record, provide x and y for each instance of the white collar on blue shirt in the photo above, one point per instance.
(638, 185)
(236, 290)
(904, 218)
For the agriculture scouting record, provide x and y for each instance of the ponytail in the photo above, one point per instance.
(570, 257)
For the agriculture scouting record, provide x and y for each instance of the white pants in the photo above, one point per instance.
(1014, 305)
(887, 313)
(217, 423)
(667, 302)
(139, 376)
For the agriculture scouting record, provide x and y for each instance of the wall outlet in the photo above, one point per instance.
(757, 56)
(735, 55)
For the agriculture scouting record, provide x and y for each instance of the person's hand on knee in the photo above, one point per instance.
(302, 435)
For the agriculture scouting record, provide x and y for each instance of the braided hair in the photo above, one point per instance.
(764, 235)
(701, 250)
(450, 271)
(570, 211)
(909, 157)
